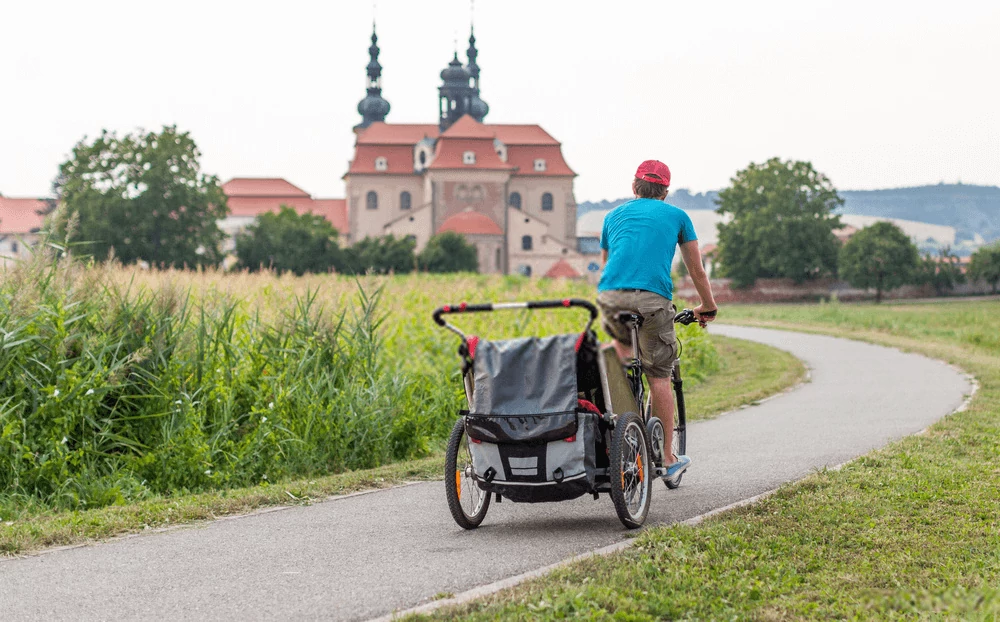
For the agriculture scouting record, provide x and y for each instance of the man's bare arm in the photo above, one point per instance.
(691, 255)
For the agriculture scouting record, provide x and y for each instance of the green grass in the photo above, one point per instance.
(32, 526)
(911, 531)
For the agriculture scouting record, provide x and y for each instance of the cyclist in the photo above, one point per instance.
(638, 241)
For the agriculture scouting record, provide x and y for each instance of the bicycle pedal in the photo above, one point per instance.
(661, 471)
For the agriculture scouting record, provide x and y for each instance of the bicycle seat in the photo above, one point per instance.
(627, 317)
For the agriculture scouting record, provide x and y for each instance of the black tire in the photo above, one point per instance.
(655, 436)
(631, 470)
(679, 440)
(458, 479)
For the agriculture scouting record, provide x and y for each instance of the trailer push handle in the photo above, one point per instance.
(500, 306)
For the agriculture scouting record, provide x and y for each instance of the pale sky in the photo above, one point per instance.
(875, 93)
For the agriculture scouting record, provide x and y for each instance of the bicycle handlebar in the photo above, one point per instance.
(531, 304)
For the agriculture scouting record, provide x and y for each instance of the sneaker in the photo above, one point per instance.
(675, 470)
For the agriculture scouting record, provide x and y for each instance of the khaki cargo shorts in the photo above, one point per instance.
(657, 342)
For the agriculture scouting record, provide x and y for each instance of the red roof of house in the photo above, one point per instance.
(522, 135)
(379, 133)
(21, 216)
(250, 197)
(523, 158)
(471, 223)
(467, 127)
(399, 159)
(450, 154)
(262, 187)
(562, 269)
(526, 143)
(334, 210)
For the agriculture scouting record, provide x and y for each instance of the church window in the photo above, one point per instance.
(381, 164)
(405, 200)
(539, 165)
(478, 194)
(469, 157)
(13, 247)
(524, 270)
(423, 157)
(371, 200)
(526, 243)
(497, 264)
(547, 202)
(514, 200)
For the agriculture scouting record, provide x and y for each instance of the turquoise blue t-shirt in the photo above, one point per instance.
(641, 237)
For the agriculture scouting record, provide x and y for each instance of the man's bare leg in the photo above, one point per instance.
(662, 392)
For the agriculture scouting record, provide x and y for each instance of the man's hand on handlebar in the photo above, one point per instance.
(705, 315)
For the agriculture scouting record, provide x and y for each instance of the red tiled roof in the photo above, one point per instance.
(250, 197)
(450, 153)
(399, 159)
(562, 269)
(334, 210)
(522, 135)
(392, 134)
(21, 216)
(467, 127)
(523, 157)
(262, 187)
(471, 223)
(708, 249)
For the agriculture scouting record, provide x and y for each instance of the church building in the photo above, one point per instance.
(506, 188)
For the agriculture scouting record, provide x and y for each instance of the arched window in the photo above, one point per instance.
(526, 243)
(371, 200)
(498, 267)
(514, 200)
(405, 201)
(547, 202)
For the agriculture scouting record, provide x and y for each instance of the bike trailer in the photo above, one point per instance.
(532, 439)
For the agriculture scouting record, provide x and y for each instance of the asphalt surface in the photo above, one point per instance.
(367, 555)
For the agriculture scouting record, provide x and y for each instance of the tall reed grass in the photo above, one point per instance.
(117, 384)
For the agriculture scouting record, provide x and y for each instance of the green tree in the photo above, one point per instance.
(782, 223)
(943, 272)
(448, 252)
(143, 196)
(289, 242)
(381, 255)
(881, 257)
(985, 265)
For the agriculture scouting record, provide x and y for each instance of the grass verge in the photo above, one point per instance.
(743, 364)
(909, 531)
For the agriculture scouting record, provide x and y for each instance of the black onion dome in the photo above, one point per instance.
(478, 108)
(455, 74)
(373, 107)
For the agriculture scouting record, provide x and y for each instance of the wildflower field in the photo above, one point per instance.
(118, 384)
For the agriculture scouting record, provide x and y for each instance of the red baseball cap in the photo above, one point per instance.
(654, 171)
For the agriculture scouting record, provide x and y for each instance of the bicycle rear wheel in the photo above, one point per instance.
(631, 470)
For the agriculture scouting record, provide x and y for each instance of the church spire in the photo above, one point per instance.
(477, 107)
(373, 107)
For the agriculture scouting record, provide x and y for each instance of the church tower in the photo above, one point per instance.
(455, 94)
(478, 108)
(373, 107)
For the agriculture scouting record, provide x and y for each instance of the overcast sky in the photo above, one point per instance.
(875, 93)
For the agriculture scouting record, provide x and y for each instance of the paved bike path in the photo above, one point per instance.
(367, 555)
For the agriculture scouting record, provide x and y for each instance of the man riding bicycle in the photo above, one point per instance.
(638, 241)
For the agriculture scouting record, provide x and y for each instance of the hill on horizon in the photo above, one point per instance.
(970, 209)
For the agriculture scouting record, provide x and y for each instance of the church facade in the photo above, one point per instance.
(506, 188)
